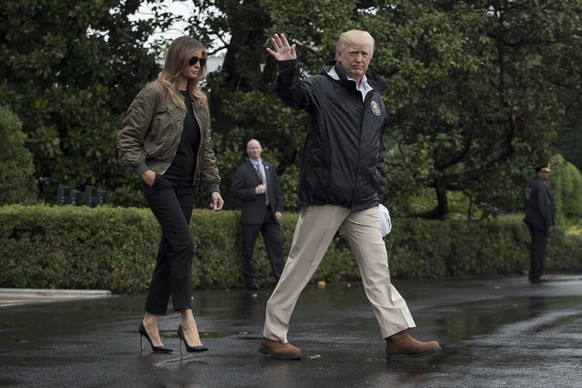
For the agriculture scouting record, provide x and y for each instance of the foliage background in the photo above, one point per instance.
(479, 91)
(17, 183)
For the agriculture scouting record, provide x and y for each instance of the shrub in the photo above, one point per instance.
(17, 182)
(115, 248)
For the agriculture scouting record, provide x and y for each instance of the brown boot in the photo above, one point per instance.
(402, 345)
(277, 349)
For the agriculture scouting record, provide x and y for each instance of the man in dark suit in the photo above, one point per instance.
(256, 185)
(540, 213)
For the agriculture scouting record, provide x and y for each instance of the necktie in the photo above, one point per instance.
(260, 172)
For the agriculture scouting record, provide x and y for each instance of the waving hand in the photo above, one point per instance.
(282, 50)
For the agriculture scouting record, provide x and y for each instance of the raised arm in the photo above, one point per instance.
(292, 91)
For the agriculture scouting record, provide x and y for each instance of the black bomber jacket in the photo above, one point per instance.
(343, 155)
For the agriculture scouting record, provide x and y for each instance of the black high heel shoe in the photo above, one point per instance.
(199, 348)
(144, 333)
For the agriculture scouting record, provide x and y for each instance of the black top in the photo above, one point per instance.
(184, 162)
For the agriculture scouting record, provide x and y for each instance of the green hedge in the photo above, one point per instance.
(115, 248)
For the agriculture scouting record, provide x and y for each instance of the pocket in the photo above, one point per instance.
(162, 183)
(157, 181)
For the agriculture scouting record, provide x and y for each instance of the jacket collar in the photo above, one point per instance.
(334, 70)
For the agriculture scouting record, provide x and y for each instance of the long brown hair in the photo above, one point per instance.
(177, 57)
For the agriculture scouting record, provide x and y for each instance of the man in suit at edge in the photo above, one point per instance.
(256, 185)
(540, 215)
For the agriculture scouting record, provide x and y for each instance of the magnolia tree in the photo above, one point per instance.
(69, 71)
(478, 91)
(475, 88)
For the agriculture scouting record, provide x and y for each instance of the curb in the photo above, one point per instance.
(19, 296)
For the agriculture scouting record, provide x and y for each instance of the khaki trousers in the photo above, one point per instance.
(315, 229)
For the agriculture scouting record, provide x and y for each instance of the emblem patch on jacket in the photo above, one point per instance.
(375, 108)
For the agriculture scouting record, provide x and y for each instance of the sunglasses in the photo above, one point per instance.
(195, 60)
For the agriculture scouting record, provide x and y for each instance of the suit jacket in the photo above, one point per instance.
(245, 180)
(540, 210)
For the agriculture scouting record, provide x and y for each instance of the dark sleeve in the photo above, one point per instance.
(291, 90)
(238, 187)
(278, 192)
(545, 204)
(380, 165)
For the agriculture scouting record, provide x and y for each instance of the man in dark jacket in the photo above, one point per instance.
(256, 185)
(341, 184)
(539, 217)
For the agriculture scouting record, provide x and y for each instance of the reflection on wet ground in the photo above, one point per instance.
(494, 332)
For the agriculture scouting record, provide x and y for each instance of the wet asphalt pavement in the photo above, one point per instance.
(499, 332)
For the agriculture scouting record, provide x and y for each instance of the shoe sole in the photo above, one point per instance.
(264, 350)
(402, 357)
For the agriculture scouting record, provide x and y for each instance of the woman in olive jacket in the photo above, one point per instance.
(165, 139)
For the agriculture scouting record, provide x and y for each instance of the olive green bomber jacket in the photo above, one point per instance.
(150, 134)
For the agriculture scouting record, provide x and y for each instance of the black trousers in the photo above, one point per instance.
(273, 238)
(539, 241)
(171, 200)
